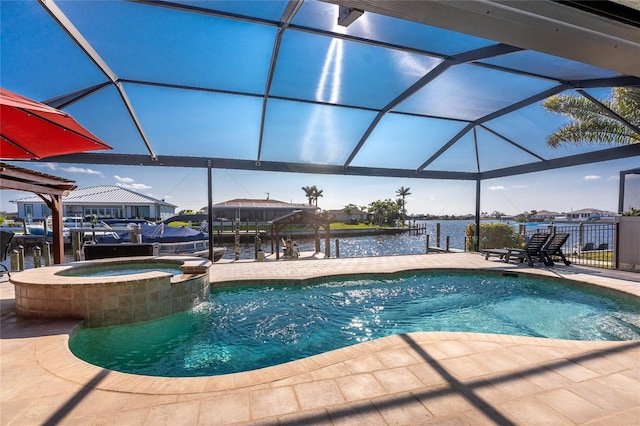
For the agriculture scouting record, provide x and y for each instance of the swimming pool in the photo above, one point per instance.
(241, 329)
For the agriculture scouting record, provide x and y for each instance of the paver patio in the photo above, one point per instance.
(417, 378)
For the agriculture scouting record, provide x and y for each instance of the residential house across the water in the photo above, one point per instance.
(589, 214)
(581, 215)
(348, 216)
(100, 202)
(256, 210)
(542, 215)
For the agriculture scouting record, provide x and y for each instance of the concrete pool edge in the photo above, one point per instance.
(73, 369)
(167, 385)
(457, 378)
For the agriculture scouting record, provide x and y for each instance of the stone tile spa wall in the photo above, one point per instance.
(53, 292)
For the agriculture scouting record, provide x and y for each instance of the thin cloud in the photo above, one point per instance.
(592, 177)
(124, 179)
(82, 170)
(497, 188)
(136, 186)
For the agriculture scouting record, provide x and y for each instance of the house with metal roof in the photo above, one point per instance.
(102, 202)
(589, 214)
(256, 210)
(542, 215)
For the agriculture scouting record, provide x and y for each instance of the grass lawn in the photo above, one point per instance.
(252, 227)
(600, 255)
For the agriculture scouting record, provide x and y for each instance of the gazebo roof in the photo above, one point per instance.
(21, 179)
(48, 188)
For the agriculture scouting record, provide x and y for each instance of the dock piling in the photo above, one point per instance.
(37, 257)
(15, 260)
(46, 253)
(76, 242)
(20, 250)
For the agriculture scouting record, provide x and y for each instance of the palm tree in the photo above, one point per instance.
(348, 210)
(308, 192)
(384, 211)
(591, 124)
(317, 193)
(312, 193)
(377, 209)
(402, 193)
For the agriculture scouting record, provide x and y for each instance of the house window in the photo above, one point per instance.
(142, 211)
(28, 210)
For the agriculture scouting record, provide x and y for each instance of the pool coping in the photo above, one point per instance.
(159, 385)
(51, 353)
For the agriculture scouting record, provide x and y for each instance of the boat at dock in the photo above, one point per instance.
(172, 240)
(45, 229)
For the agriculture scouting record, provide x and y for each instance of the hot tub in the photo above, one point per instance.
(143, 288)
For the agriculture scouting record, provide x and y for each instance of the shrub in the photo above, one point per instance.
(493, 235)
(632, 212)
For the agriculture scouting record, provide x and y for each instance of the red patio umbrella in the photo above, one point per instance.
(33, 130)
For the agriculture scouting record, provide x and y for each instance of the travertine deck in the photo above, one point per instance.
(419, 378)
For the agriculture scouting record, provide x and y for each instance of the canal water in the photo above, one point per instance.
(381, 245)
(378, 245)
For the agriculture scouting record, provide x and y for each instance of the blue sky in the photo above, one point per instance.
(590, 186)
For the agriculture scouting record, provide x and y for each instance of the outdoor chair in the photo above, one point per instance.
(603, 246)
(554, 248)
(588, 247)
(532, 250)
(5, 243)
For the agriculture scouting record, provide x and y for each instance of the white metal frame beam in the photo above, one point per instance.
(543, 26)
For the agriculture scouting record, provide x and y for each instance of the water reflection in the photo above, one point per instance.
(378, 245)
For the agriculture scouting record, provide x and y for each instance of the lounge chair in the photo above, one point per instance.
(588, 247)
(554, 248)
(5, 243)
(531, 250)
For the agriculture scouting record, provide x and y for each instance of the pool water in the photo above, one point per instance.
(244, 329)
(117, 270)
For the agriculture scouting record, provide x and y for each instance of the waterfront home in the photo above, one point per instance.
(542, 215)
(589, 214)
(352, 216)
(101, 202)
(256, 210)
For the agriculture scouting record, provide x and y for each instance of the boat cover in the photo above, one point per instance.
(158, 234)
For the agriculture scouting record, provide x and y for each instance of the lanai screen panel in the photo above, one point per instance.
(278, 82)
